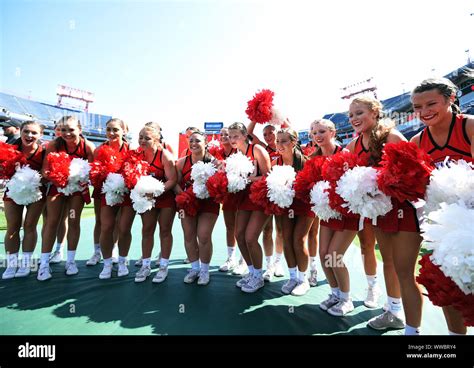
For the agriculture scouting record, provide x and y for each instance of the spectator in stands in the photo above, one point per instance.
(11, 130)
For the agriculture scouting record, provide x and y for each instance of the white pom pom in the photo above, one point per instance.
(358, 187)
(199, 174)
(78, 176)
(448, 232)
(24, 186)
(450, 183)
(277, 117)
(144, 193)
(238, 167)
(114, 189)
(214, 143)
(320, 201)
(280, 185)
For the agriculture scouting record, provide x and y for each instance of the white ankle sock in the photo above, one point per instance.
(196, 265)
(26, 259)
(410, 330)
(395, 306)
(230, 252)
(45, 259)
(71, 255)
(164, 262)
(268, 260)
(335, 291)
(277, 257)
(108, 262)
(146, 262)
(97, 247)
(343, 295)
(204, 267)
(313, 263)
(371, 280)
(12, 260)
(293, 273)
(301, 276)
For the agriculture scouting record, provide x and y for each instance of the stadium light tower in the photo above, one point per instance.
(359, 88)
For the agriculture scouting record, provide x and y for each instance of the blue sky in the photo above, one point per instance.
(185, 62)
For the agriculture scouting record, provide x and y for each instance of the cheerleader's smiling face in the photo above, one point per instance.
(114, 131)
(70, 131)
(269, 135)
(30, 134)
(432, 107)
(322, 135)
(237, 139)
(224, 137)
(361, 117)
(284, 144)
(148, 139)
(197, 143)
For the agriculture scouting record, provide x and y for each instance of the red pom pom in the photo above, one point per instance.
(259, 108)
(107, 160)
(309, 150)
(258, 195)
(404, 171)
(306, 178)
(58, 172)
(133, 168)
(10, 159)
(217, 186)
(188, 202)
(442, 291)
(217, 151)
(333, 168)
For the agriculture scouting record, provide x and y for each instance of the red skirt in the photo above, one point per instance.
(402, 217)
(301, 208)
(166, 200)
(346, 223)
(230, 203)
(53, 192)
(244, 203)
(208, 206)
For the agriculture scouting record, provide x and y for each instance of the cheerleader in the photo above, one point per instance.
(250, 218)
(162, 168)
(397, 232)
(76, 146)
(118, 218)
(166, 146)
(57, 254)
(229, 208)
(188, 132)
(197, 229)
(274, 267)
(30, 145)
(313, 235)
(295, 227)
(447, 134)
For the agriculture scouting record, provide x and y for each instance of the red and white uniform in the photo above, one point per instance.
(345, 223)
(79, 152)
(230, 204)
(299, 207)
(244, 203)
(166, 200)
(273, 153)
(207, 205)
(35, 160)
(457, 146)
(403, 215)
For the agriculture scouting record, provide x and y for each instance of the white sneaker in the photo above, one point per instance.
(192, 276)
(106, 272)
(139, 262)
(160, 275)
(96, 257)
(23, 271)
(44, 273)
(241, 269)
(204, 278)
(253, 285)
(373, 295)
(269, 272)
(313, 278)
(9, 273)
(341, 308)
(243, 280)
(386, 321)
(278, 270)
(142, 274)
(329, 302)
(301, 289)
(122, 269)
(71, 268)
(288, 286)
(228, 265)
(56, 256)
